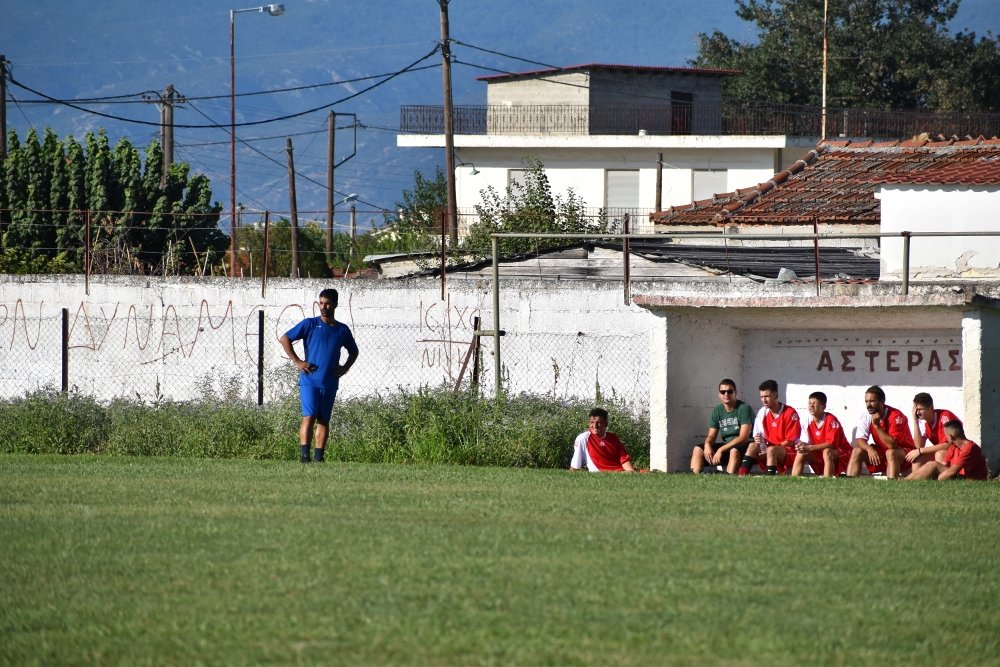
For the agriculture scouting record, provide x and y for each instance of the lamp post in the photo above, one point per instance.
(273, 10)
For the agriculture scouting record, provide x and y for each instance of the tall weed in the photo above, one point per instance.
(426, 426)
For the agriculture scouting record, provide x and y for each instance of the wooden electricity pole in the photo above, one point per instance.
(293, 209)
(449, 133)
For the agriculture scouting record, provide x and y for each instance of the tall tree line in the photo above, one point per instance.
(883, 54)
(49, 186)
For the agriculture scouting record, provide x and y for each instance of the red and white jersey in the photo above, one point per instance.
(827, 431)
(598, 454)
(970, 458)
(895, 422)
(777, 428)
(934, 431)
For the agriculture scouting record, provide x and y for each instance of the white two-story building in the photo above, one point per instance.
(624, 138)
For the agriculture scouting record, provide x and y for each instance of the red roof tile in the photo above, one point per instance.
(836, 182)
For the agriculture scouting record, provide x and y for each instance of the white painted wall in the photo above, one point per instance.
(844, 364)
(941, 208)
(181, 338)
(583, 170)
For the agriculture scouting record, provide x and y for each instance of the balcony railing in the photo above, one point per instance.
(726, 119)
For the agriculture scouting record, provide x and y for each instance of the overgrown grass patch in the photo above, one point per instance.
(128, 560)
(426, 426)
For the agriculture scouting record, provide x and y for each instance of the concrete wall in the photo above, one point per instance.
(182, 338)
(571, 88)
(981, 350)
(935, 209)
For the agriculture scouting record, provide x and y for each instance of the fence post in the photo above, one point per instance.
(906, 263)
(267, 240)
(86, 253)
(496, 312)
(260, 357)
(625, 256)
(65, 350)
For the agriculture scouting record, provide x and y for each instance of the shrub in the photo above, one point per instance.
(426, 426)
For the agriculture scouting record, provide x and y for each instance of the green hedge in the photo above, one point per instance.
(428, 426)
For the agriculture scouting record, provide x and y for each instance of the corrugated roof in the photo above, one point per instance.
(836, 182)
(641, 69)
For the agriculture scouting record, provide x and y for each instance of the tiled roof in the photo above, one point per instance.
(640, 69)
(836, 182)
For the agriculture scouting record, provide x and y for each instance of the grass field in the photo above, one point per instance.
(167, 561)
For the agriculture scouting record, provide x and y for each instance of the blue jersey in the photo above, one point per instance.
(323, 344)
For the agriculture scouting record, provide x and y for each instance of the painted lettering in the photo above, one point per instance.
(890, 361)
(825, 361)
(847, 356)
(916, 360)
(935, 362)
(872, 355)
(956, 365)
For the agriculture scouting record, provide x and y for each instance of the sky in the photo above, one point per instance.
(320, 56)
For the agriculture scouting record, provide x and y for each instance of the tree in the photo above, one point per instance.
(528, 206)
(888, 54)
(49, 188)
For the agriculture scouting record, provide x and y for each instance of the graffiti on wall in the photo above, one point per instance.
(446, 335)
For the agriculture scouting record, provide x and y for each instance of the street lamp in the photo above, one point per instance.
(273, 10)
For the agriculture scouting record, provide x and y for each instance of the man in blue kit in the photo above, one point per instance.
(323, 338)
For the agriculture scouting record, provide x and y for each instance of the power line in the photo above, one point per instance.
(390, 77)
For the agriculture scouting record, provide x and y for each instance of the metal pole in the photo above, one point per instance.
(822, 134)
(86, 253)
(65, 350)
(260, 357)
(267, 241)
(444, 255)
(625, 256)
(906, 263)
(816, 251)
(496, 313)
(659, 183)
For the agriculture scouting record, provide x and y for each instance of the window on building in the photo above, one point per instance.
(621, 190)
(707, 182)
(516, 177)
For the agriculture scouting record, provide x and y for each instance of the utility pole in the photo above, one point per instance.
(449, 133)
(822, 131)
(659, 183)
(293, 208)
(166, 102)
(331, 132)
(3, 107)
(167, 131)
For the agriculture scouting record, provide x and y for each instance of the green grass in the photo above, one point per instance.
(426, 426)
(133, 561)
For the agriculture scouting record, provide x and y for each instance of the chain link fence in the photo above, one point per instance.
(236, 357)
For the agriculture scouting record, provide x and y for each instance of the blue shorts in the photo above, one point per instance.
(317, 402)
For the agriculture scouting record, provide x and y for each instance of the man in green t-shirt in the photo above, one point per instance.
(731, 421)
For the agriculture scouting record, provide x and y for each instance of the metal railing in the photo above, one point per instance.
(496, 332)
(728, 118)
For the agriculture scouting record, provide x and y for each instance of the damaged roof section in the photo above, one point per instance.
(836, 182)
(656, 260)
